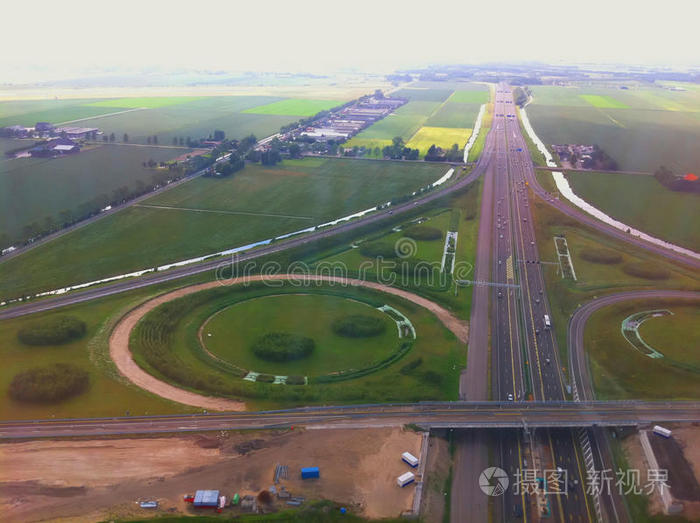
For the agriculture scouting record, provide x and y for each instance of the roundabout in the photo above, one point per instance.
(181, 387)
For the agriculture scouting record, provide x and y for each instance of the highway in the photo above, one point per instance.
(455, 414)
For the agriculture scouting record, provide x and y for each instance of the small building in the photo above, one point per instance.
(206, 499)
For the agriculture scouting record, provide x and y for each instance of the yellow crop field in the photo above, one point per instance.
(440, 136)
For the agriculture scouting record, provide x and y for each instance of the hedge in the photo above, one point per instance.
(282, 346)
(49, 384)
(52, 331)
(358, 326)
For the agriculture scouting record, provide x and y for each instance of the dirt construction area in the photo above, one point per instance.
(92, 480)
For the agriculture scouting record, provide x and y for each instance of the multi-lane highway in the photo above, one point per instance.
(442, 415)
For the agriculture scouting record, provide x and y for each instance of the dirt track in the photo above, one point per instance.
(119, 339)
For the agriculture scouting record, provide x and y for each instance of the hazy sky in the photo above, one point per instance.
(59, 38)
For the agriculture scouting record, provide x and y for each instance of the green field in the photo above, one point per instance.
(640, 127)
(235, 329)
(29, 112)
(108, 393)
(435, 374)
(440, 136)
(603, 101)
(423, 94)
(295, 107)
(452, 114)
(209, 215)
(470, 97)
(643, 203)
(145, 102)
(32, 189)
(621, 372)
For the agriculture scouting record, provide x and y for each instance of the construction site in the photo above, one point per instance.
(231, 473)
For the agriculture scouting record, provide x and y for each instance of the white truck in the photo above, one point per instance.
(547, 323)
(661, 431)
(405, 479)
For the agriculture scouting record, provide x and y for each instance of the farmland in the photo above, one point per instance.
(208, 215)
(640, 127)
(294, 107)
(67, 183)
(148, 102)
(440, 136)
(643, 203)
(619, 371)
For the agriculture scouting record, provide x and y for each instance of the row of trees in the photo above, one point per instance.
(671, 180)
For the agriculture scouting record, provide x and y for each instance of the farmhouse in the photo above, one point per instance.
(76, 133)
(55, 147)
(43, 127)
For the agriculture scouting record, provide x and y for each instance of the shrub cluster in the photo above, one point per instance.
(52, 331)
(423, 232)
(358, 326)
(377, 249)
(646, 271)
(411, 366)
(48, 384)
(603, 256)
(282, 346)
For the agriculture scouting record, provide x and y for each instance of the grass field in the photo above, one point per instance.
(457, 213)
(295, 107)
(643, 203)
(470, 97)
(107, 395)
(256, 204)
(235, 329)
(621, 372)
(453, 114)
(29, 112)
(603, 101)
(145, 102)
(32, 189)
(641, 127)
(435, 376)
(440, 136)
(423, 94)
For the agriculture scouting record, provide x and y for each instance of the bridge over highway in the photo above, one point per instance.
(457, 414)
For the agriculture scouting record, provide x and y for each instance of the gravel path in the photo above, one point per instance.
(121, 355)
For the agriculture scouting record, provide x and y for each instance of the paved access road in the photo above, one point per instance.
(583, 388)
(427, 414)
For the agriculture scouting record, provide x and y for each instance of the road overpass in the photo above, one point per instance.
(437, 415)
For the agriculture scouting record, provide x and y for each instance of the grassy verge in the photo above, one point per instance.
(594, 279)
(619, 371)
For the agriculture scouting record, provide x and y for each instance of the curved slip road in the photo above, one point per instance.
(583, 385)
(121, 355)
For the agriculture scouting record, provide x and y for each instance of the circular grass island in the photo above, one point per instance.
(233, 333)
